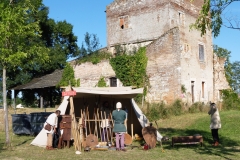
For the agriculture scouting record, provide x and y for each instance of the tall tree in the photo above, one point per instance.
(211, 16)
(19, 33)
(236, 76)
(90, 45)
(58, 37)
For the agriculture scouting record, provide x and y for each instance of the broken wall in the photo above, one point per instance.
(163, 68)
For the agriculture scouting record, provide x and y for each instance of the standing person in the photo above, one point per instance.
(52, 120)
(119, 116)
(215, 123)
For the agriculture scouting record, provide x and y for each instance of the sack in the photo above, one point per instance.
(48, 127)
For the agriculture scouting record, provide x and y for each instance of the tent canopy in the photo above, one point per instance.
(108, 92)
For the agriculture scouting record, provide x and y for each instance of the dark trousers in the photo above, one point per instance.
(215, 135)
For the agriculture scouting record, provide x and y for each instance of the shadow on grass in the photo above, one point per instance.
(226, 148)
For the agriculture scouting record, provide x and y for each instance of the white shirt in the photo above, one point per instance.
(52, 120)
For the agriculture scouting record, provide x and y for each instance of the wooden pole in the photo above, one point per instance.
(99, 123)
(132, 122)
(106, 124)
(103, 133)
(112, 127)
(89, 127)
(95, 122)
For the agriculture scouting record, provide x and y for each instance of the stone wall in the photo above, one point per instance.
(219, 78)
(89, 74)
(163, 68)
(146, 20)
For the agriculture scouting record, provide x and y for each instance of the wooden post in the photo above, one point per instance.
(132, 122)
(99, 123)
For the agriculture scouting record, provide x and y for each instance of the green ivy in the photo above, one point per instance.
(68, 76)
(131, 69)
(101, 82)
(78, 82)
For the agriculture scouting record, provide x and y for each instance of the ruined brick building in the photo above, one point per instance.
(178, 58)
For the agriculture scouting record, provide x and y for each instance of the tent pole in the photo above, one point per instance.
(131, 122)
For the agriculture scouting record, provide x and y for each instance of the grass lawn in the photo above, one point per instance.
(186, 124)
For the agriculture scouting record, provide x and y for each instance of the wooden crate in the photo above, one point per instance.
(65, 124)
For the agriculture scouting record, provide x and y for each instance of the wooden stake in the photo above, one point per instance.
(99, 123)
(95, 122)
(102, 124)
(106, 124)
(89, 127)
(112, 127)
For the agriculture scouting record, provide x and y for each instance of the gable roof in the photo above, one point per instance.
(49, 80)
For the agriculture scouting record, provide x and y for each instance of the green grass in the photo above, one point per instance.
(186, 124)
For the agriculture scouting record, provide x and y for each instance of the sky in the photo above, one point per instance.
(89, 16)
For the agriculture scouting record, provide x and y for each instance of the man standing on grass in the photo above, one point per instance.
(52, 120)
(119, 116)
(215, 123)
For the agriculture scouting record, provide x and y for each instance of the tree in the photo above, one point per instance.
(210, 17)
(68, 76)
(58, 37)
(19, 33)
(236, 76)
(90, 45)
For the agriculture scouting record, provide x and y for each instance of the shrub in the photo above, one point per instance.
(101, 82)
(230, 100)
(196, 107)
(176, 107)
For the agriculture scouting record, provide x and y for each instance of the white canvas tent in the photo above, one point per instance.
(95, 96)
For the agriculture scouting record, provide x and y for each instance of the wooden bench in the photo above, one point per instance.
(187, 140)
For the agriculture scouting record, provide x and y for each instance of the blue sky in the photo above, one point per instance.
(89, 16)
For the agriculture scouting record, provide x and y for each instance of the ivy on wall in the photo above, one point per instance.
(101, 82)
(68, 77)
(131, 69)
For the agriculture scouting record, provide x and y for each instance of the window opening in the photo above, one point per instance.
(192, 90)
(113, 82)
(201, 52)
(203, 83)
(124, 22)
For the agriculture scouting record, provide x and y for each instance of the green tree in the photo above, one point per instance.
(19, 33)
(236, 76)
(210, 16)
(58, 37)
(68, 76)
(90, 45)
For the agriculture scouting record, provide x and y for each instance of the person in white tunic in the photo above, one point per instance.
(215, 123)
(52, 120)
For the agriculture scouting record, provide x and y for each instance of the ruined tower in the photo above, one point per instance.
(180, 60)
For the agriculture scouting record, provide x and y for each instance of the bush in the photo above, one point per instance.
(101, 82)
(176, 107)
(196, 107)
(230, 100)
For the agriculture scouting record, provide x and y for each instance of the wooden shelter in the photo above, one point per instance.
(41, 85)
